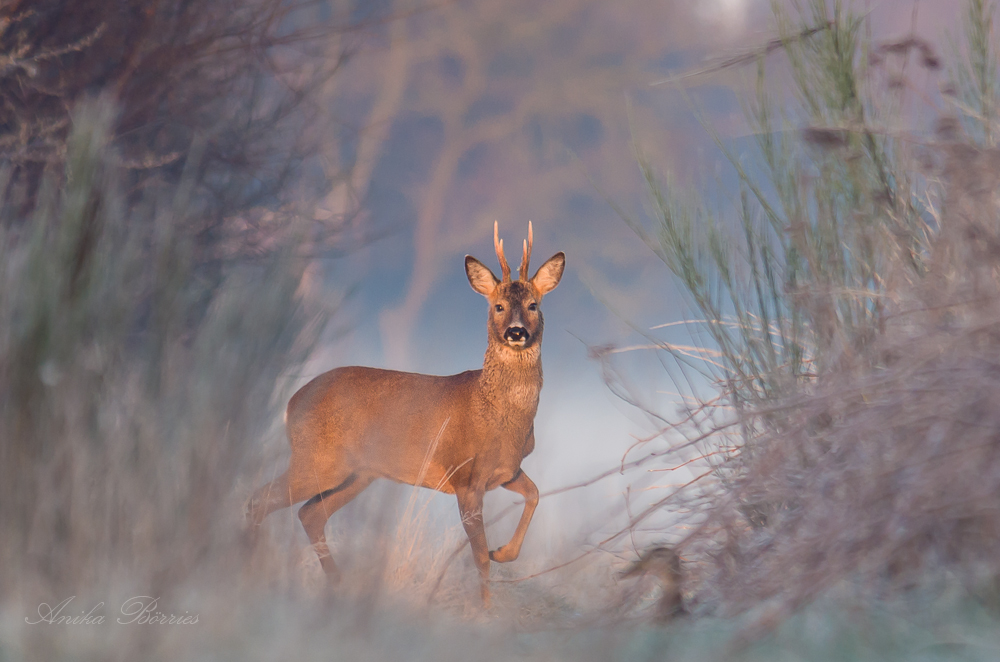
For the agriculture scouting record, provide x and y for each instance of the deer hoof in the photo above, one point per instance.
(330, 570)
(503, 555)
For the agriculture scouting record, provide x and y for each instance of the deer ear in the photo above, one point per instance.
(480, 277)
(549, 274)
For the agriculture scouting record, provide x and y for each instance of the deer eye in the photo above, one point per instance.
(498, 308)
(532, 306)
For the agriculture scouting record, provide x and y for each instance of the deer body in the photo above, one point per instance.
(409, 428)
(460, 434)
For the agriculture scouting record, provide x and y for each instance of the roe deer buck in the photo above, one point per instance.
(462, 434)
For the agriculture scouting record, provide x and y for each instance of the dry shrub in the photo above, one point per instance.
(851, 321)
(887, 469)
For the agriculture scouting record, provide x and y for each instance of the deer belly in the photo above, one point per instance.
(430, 475)
(436, 479)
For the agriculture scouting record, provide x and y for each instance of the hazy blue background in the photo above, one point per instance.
(485, 110)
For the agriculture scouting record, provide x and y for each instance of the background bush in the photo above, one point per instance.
(237, 83)
(132, 388)
(849, 307)
(158, 182)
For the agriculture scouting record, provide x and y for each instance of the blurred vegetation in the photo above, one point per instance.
(458, 106)
(239, 82)
(798, 282)
(132, 388)
(974, 76)
(158, 190)
(846, 305)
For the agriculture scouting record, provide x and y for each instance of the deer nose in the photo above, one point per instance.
(516, 334)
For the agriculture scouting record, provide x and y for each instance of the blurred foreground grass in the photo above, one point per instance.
(138, 376)
(245, 624)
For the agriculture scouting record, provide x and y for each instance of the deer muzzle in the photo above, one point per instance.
(516, 336)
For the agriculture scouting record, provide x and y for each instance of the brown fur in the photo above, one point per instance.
(461, 434)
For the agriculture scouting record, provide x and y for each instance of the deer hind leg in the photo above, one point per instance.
(522, 485)
(269, 498)
(287, 489)
(470, 507)
(317, 510)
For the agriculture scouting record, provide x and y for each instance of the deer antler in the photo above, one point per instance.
(526, 255)
(498, 245)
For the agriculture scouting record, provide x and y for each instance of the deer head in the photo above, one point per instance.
(515, 319)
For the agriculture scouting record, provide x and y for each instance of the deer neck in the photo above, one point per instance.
(512, 380)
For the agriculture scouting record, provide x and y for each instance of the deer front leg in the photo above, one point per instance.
(470, 507)
(523, 486)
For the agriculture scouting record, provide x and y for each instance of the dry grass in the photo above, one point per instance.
(886, 469)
